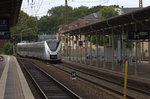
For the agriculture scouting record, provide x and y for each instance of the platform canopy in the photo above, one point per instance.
(10, 9)
(127, 21)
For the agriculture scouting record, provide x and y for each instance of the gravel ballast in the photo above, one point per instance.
(83, 88)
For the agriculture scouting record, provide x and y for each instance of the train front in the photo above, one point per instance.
(54, 50)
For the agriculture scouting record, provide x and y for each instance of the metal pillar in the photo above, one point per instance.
(142, 51)
(76, 48)
(112, 49)
(69, 48)
(66, 45)
(104, 64)
(85, 48)
(80, 51)
(136, 57)
(123, 51)
(119, 49)
(96, 50)
(149, 48)
(90, 56)
(139, 51)
(73, 46)
(131, 52)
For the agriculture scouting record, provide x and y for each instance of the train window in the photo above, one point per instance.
(53, 45)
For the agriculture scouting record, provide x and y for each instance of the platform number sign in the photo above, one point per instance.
(4, 28)
(73, 74)
(138, 35)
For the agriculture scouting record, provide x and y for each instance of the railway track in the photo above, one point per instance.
(83, 73)
(49, 87)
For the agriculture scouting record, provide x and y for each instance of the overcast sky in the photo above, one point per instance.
(40, 7)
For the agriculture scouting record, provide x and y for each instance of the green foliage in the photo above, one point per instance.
(27, 25)
(1, 51)
(8, 48)
(129, 44)
(99, 39)
(56, 16)
(108, 12)
(108, 40)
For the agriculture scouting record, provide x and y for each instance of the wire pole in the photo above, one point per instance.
(66, 12)
(140, 4)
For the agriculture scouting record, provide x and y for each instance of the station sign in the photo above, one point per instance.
(4, 24)
(4, 35)
(4, 28)
(138, 35)
(80, 43)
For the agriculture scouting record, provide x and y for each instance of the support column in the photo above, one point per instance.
(119, 50)
(66, 45)
(96, 50)
(136, 57)
(131, 53)
(73, 46)
(142, 51)
(149, 48)
(104, 64)
(85, 48)
(76, 48)
(90, 56)
(80, 51)
(139, 51)
(112, 49)
(69, 48)
(123, 51)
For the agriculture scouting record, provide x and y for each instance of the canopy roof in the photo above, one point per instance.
(140, 17)
(10, 9)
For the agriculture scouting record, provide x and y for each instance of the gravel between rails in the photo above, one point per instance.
(84, 89)
(33, 88)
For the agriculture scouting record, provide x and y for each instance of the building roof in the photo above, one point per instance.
(45, 37)
(121, 11)
(96, 15)
(127, 21)
(125, 10)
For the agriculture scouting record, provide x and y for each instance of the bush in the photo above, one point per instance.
(1, 51)
(8, 48)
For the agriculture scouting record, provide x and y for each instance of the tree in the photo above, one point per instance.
(56, 16)
(107, 12)
(27, 26)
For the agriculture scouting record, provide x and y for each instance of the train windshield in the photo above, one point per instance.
(53, 45)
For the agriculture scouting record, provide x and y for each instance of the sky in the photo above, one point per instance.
(39, 8)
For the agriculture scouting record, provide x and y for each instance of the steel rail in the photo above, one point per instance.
(64, 88)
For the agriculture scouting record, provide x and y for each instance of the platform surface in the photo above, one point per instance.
(13, 84)
(143, 68)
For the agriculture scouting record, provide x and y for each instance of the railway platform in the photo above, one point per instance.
(142, 73)
(13, 84)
